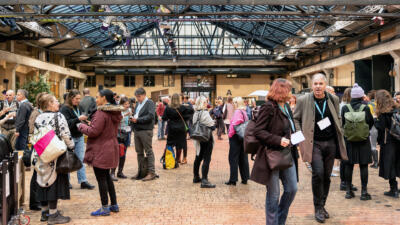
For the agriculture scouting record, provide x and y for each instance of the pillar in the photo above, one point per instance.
(62, 87)
(396, 68)
(328, 73)
(10, 75)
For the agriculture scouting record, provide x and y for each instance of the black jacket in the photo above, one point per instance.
(72, 120)
(145, 120)
(22, 118)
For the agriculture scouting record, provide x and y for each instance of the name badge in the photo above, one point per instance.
(297, 138)
(324, 123)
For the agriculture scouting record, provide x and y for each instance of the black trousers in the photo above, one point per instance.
(323, 157)
(220, 127)
(33, 199)
(238, 158)
(106, 186)
(363, 174)
(205, 156)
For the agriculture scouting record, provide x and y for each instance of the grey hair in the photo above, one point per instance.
(200, 103)
(239, 103)
(24, 92)
(140, 91)
(10, 92)
(319, 76)
(86, 91)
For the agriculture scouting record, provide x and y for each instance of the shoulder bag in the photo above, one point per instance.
(184, 123)
(200, 132)
(240, 129)
(67, 162)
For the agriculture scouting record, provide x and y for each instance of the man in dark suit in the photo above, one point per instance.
(143, 124)
(22, 120)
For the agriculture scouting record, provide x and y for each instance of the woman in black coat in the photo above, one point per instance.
(358, 152)
(176, 115)
(389, 159)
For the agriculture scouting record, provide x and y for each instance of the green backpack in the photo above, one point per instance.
(355, 127)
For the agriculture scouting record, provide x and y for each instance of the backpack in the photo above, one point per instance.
(372, 107)
(168, 159)
(395, 125)
(355, 128)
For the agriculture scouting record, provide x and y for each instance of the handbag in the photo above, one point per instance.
(200, 132)
(47, 143)
(184, 123)
(251, 143)
(122, 136)
(68, 163)
(240, 129)
(121, 150)
(279, 159)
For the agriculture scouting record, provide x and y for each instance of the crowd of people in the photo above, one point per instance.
(351, 130)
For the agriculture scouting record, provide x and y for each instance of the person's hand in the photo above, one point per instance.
(16, 134)
(134, 120)
(83, 117)
(285, 142)
(11, 115)
(7, 109)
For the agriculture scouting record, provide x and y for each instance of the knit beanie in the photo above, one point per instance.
(357, 91)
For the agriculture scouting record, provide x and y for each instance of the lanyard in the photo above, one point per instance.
(78, 114)
(286, 112)
(319, 110)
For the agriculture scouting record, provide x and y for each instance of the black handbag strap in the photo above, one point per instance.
(57, 125)
(181, 117)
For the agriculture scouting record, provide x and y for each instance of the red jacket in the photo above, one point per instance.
(102, 146)
(160, 109)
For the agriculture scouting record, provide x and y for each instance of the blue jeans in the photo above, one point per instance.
(161, 129)
(277, 211)
(80, 152)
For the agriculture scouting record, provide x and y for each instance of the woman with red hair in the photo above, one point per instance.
(274, 126)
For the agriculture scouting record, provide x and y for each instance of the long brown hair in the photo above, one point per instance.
(175, 101)
(384, 102)
(71, 95)
(347, 95)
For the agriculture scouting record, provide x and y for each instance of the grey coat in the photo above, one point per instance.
(304, 119)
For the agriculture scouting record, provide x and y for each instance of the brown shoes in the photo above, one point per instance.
(149, 177)
(184, 161)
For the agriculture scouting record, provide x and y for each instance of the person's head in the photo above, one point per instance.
(73, 98)
(125, 103)
(38, 97)
(86, 92)
(47, 102)
(105, 96)
(239, 103)
(229, 100)
(346, 95)
(280, 91)
(191, 100)
(293, 100)
(384, 102)
(371, 94)
(185, 99)
(116, 97)
(140, 94)
(319, 82)
(175, 101)
(357, 92)
(10, 95)
(201, 103)
(330, 90)
(165, 100)
(22, 94)
(397, 97)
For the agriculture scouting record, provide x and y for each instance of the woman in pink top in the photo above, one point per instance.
(237, 156)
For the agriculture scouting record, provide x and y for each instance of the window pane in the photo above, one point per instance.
(109, 81)
(149, 81)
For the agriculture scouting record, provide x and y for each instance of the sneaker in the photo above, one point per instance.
(57, 218)
(121, 175)
(336, 168)
(45, 216)
(86, 185)
(149, 177)
(114, 208)
(103, 211)
(334, 175)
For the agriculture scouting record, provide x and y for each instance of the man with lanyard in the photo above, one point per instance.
(22, 120)
(9, 106)
(143, 124)
(317, 116)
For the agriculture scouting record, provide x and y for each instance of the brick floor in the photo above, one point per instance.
(174, 199)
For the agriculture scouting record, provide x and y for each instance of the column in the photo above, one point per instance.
(62, 86)
(396, 68)
(328, 73)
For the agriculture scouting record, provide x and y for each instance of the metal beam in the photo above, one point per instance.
(200, 2)
(219, 13)
(35, 63)
(362, 54)
(189, 63)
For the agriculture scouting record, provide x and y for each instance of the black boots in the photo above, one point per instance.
(394, 191)
(343, 186)
(349, 191)
(364, 194)
(319, 215)
(375, 159)
(206, 184)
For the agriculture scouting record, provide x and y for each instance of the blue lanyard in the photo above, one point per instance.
(286, 112)
(78, 114)
(319, 110)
